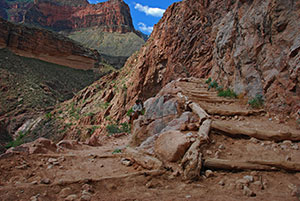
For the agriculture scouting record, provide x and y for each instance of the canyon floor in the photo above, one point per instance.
(81, 172)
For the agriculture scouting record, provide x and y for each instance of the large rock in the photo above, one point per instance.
(39, 146)
(171, 146)
(68, 144)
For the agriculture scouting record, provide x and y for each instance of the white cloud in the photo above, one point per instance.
(145, 28)
(156, 12)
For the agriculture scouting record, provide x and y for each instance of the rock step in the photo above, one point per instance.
(231, 112)
(232, 129)
(213, 163)
(209, 100)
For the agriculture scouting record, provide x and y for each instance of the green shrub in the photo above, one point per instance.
(129, 112)
(298, 123)
(117, 151)
(124, 88)
(227, 93)
(213, 84)
(208, 80)
(90, 114)
(115, 128)
(257, 101)
(104, 105)
(92, 130)
(74, 112)
(48, 116)
(17, 142)
(125, 127)
(220, 88)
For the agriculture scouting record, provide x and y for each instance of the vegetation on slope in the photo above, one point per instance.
(30, 86)
(90, 109)
(37, 84)
(113, 44)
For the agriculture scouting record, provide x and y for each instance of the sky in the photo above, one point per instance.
(145, 13)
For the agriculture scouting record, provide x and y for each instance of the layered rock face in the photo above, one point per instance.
(46, 45)
(99, 26)
(62, 15)
(250, 46)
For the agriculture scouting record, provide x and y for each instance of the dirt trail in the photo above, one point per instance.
(95, 173)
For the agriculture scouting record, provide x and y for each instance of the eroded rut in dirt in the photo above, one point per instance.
(247, 155)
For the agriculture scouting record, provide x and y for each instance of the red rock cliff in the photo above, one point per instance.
(46, 45)
(250, 46)
(62, 15)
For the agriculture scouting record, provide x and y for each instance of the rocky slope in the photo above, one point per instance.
(173, 155)
(249, 46)
(47, 46)
(187, 42)
(29, 87)
(79, 19)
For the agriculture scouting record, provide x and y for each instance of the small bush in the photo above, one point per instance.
(257, 101)
(124, 88)
(74, 112)
(92, 130)
(129, 112)
(220, 88)
(117, 151)
(48, 116)
(104, 105)
(228, 93)
(125, 127)
(17, 142)
(208, 80)
(115, 128)
(90, 114)
(213, 84)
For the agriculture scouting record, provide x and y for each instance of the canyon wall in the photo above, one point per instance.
(249, 46)
(64, 15)
(47, 46)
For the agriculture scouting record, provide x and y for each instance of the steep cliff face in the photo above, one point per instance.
(99, 26)
(250, 46)
(62, 15)
(47, 46)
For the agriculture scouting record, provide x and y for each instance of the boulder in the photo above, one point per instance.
(171, 146)
(39, 146)
(93, 141)
(69, 144)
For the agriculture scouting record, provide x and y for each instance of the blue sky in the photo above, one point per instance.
(145, 13)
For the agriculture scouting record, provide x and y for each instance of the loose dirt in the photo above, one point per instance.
(96, 173)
